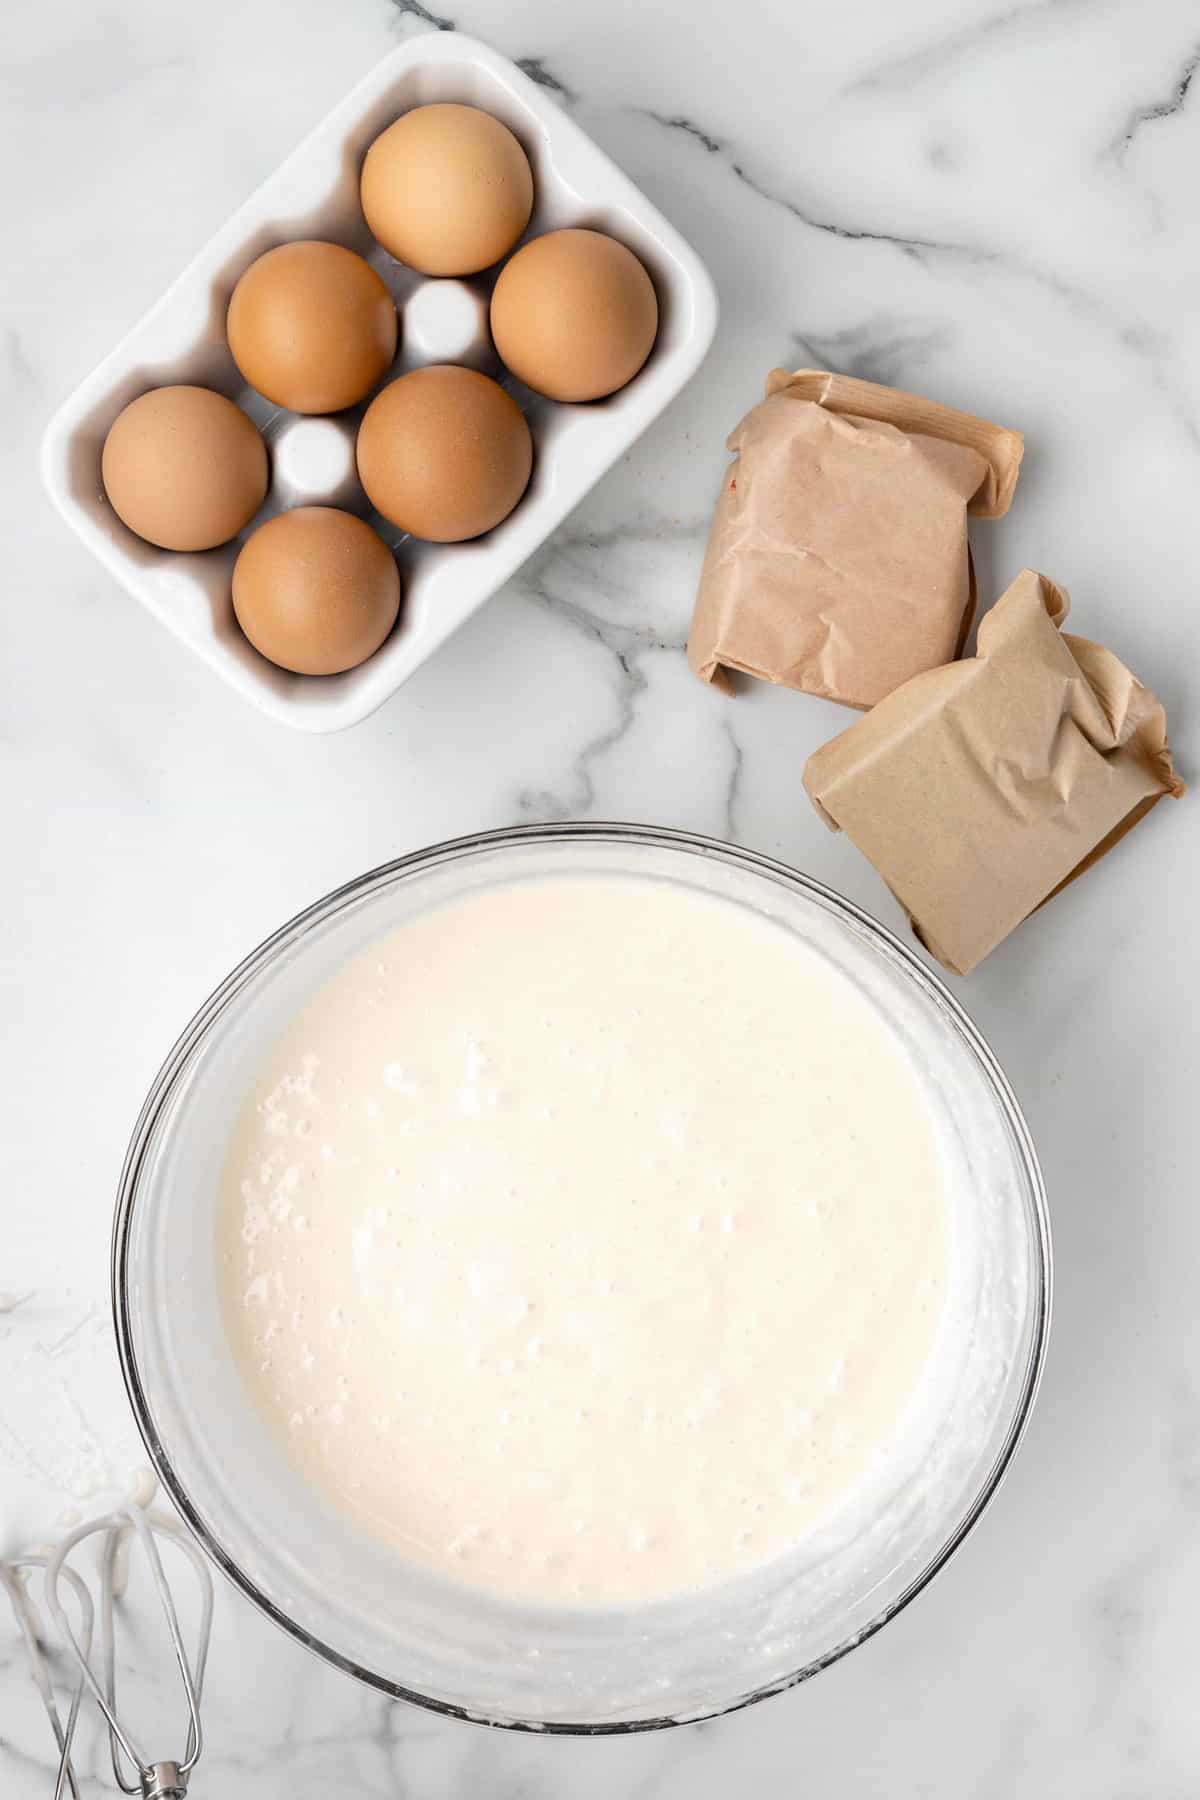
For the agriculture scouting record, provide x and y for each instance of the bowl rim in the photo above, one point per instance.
(594, 831)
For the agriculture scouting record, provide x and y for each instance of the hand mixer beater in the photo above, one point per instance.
(136, 1772)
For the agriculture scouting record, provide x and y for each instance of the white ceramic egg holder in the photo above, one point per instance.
(315, 194)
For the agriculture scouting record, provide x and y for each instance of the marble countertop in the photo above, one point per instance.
(990, 202)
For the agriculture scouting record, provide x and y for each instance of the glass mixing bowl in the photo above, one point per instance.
(354, 1601)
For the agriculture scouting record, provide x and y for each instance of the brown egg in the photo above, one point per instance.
(444, 453)
(574, 315)
(447, 189)
(316, 590)
(312, 326)
(184, 468)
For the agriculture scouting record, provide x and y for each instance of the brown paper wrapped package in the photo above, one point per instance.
(837, 561)
(981, 789)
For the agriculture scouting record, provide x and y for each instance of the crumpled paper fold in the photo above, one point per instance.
(981, 789)
(837, 562)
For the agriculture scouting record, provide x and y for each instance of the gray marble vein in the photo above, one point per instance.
(811, 217)
(733, 789)
(535, 68)
(566, 570)
(882, 348)
(1154, 349)
(1153, 112)
(944, 53)
(421, 15)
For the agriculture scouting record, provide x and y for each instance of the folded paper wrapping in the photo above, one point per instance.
(981, 789)
(837, 561)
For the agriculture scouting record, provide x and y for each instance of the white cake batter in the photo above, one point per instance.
(585, 1238)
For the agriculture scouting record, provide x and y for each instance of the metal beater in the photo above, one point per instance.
(14, 1577)
(135, 1772)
